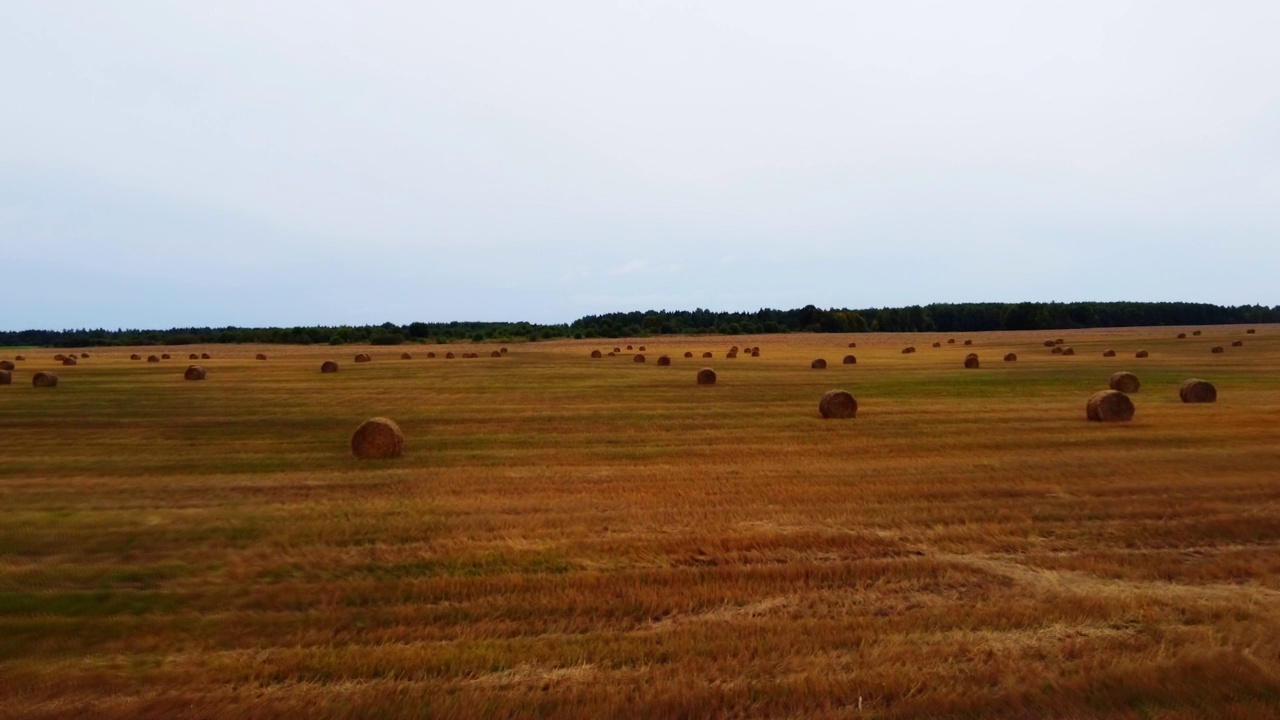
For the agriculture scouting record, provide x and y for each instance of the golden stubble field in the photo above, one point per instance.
(568, 537)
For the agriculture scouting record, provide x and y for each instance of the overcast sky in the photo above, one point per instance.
(208, 163)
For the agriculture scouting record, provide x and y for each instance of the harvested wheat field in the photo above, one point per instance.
(591, 538)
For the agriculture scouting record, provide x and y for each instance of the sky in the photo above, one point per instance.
(173, 164)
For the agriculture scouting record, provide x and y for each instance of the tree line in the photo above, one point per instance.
(939, 317)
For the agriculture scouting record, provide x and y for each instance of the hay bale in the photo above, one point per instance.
(260, 356)
(629, 347)
(153, 359)
(951, 341)
(596, 354)
(1238, 343)
(448, 356)
(1109, 353)
(193, 356)
(377, 439)
(495, 354)
(818, 364)
(1068, 351)
(84, 356)
(706, 355)
(663, 361)
(1251, 331)
(19, 358)
(6, 377)
(1217, 349)
(1142, 354)
(968, 342)
(1056, 350)
(59, 357)
(617, 350)
(364, 357)
(165, 356)
(755, 352)
(613, 354)
(44, 380)
(205, 356)
(638, 358)
(194, 372)
(431, 356)
(733, 349)
(1010, 357)
(1109, 406)
(853, 344)
(688, 355)
(1196, 333)
(1198, 391)
(406, 356)
(502, 351)
(1125, 382)
(329, 366)
(640, 349)
(731, 354)
(971, 361)
(69, 360)
(6, 365)
(706, 376)
(135, 356)
(1182, 336)
(1049, 343)
(1059, 341)
(908, 350)
(937, 344)
(837, 405)
(850, 360)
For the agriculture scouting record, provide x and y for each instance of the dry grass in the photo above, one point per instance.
(568, 537)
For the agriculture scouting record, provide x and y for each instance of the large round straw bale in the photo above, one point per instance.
(69, 360)
(1049, 343)
(406, 356)
(165, 356)
(1109, 353)
(19, 358)
(1125, 382)
(663, 360)
(755, 352)
(1197, 391)
(364, 357)
(329, 366)
(205, 356)
(431, 356)
(850, 360)
(596, 354)
(706, 376)
(153, 358)
(613, 354)
(135, 356)
(640, 349)
(733, 349)
(502, 351)
(1057, 350)
(1059, 341)
(853, 344)
(630, 348)
(194, 372)
(1182, 336)
(971, 361)
(6, 377)
(951, 341)
(84, 356)
(1251, 331)
(1142, 354)
(193, 356)
(617, 350)
(1196, 333)
(688, 354)
(44, 380)
(731, 354)
(59, 357)
(449, 356)
(707, 355)
(908, 350)
(837, 405)
(6, 365)
(968, 342)
(638, 358)
(495, 354)
(937, 344)
(1010, 357)
(818, 364)
(377, 439)
(1238, 343)
(1216, 349)
(1068, 351)
(260, 356)
(1109, 406)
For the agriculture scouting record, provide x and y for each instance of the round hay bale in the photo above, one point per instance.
(329, 366)
(69, 360)
(260, 356)
(1109, 406)
(706, 376)
(406, 356)
(755, 352)
(1010, 357)
(1196, 333)
(818, 364)
(431, 356)
(613, 354)
(6, 377)
(44, 380)
(1198, 391)
(153, 358)
(193, 356)
(1059, 341)
(1068, 351)
(1217, 349)
(59, 357)
(377, 439)
(937, 344)
(205, 356)
(731, 354)
(135, 356)
(1049, 343)
(971, 361)
(617, 350)
(495, 354)
(165, 356)
(663, 361)
(837, 405)
(688, 355)
(1125, 382)
(1251, 331)
(850, 360)
(733, 349)
(449, 356)
(1182, 336)
(707, 355)
(19, 358)
(6, 365)
(908, 350)
(951, 341)
(194, 372)
(1056, 350)
(853, 344)
(638, 358)
(364, 357)
(629, 347)
(502, 351)
(641, 348)
(1238, 343)
(1109, 353)
(968, 342)
(596, 354)
(84, 356)
(1142, 354)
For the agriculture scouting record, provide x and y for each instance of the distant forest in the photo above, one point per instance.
(945, 317)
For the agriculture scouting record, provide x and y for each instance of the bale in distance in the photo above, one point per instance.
(908, 350)
(193, 356)
(1056, 350)
(19, 358)
(613, 354)
(971, 361)
(1125, 382)
(951, 341)
(663, 361)
(406, 356)
(377, 439)
(1049, 343)
(364, 357)
(732, 354)
(706, 376)
(688, 354)
(69, 360)
(968, 342)
(6, 365)
(84, 356)
(1197, 391)
(629, 347)
(733, 349)
(194, 372)
(6, 377)
(153, 359)
(1238, 343)
(502, 351)
(638, 358)
(1196, 333)
(260, 356)
(1142, 354)
(1217, 349)
(205, 356)
(135, 356)
(755, 352)
(640, 349)
(853, 344)
(329, 366)
(495, 354)
(1182, 336)
(1251, 331)
(1068, 351)
(1109, 353)
(837, 405)
(1059, 341)
(431, 356)
(449, 356)
(850, 360)
(1109, 406)
(59, 357)
(44, 380)
(617, 350)
(596, 354)
(165, 356)
(707, 355)
(1010, 357)
(937, 344)
(818, 364)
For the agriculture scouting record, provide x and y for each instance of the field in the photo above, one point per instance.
(569, 537)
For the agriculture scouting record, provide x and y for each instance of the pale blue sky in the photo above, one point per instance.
(180, 163)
